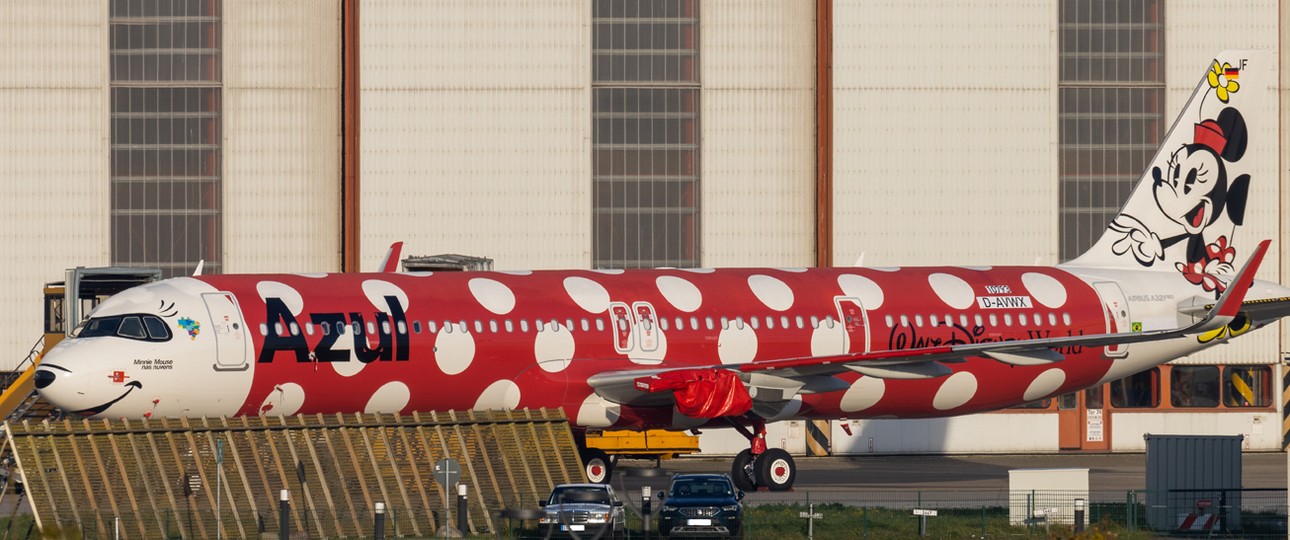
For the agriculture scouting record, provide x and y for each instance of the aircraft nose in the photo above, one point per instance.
(44, 378)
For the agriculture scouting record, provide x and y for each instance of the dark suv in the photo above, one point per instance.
(701, 505)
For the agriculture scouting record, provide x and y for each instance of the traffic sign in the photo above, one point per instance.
(446, 472)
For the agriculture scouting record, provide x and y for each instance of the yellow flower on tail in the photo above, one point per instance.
(1218, 80)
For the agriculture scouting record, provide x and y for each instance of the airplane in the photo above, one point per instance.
(684, 348)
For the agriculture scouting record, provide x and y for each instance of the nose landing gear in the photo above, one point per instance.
(761, 467)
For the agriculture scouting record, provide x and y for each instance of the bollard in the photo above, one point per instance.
(645, 511)
(284, 509)
(461, 509)
(1079, 516)
(378, 523)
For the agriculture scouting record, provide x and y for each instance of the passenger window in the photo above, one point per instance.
(432, 327)
(371, 328)
(933, 320)
(461, 327)
(524, 325)
(264, 329)
(725, 323)
(802, 324)
(416, 327)
(492, 326)
(325, 327)
(977, 319)
(1021, 319)
(309, 329)
(510, 326)
(447, 327)
(963, 320)
(600, 325)
(770, 323)
(829, 321)
(918, 321)
(385, 327)
(278, 330)
(568, 324)
(904, 320)
(662, 323)
(1066, 319)
(783, 321)
(709, 323)
(890, 322)
(1052, 319)
(295, 329)
(994, 320)
(694, 323)
(1007, 319)
(752, 321)
(739, 323)
(815, 321)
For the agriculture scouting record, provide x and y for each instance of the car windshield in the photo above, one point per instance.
(579, 494)
(701, 488)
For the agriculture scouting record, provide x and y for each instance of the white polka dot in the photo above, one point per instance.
(1045, 289)
(735, 346)
(314, 275)
(284, 399)
(596, 412)
(649, 358)
(864, 393)
(353, 366)
(827, 341)
(952, 290)
(419, 274)
(795, 270)
(978, 268)
(376, 290)
(682, 294)
(869, 293)
(588, 294)
(699, 270)
(503, 394)
(885, 268)
(517, 272)
(493, 295)
(610, 271)
(554, 350)
(780, 410)
(955, 391)
(392, 397)
(1045, 384)
(454, 351)
(774, 293)
(289, 296)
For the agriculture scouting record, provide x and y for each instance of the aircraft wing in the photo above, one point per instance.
(781, 379)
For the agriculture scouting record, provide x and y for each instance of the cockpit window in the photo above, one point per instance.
(140, 327)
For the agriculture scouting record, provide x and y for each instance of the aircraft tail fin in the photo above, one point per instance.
(1183, 213)
(391, 261)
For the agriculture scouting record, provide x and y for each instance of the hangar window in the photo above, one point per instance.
(1247, 386)
(1193, 386)
(1137, 391)
(645, 149)
(164, 68)
(1111, 116)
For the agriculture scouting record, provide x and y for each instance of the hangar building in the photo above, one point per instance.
(307, 135)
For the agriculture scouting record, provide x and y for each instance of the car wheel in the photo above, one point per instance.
(597, 466)
(775, 469)
(741, 471)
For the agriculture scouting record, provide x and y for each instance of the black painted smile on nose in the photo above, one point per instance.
(96, 410)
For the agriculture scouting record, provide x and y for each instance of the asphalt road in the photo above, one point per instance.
(895, 477)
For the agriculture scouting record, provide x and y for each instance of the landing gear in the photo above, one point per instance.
(597, 465)
(741, 472)
(761, 467)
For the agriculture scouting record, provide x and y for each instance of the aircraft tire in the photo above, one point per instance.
(741, 471)
(597, 466)
(775, 469)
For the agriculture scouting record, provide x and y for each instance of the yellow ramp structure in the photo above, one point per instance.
(160, 478)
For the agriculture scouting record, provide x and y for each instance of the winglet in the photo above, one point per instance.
(198, 271)
(391, 262)
(1229, 304)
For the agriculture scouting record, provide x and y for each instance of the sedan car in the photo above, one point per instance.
(701, 505)
(583, 511)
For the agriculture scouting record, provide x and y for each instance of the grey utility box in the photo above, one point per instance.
(1196, 475)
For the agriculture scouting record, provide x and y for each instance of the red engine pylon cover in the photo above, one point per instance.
(701, 393)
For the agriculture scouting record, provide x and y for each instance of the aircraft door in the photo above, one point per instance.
(621, 317)
(855, 322)
(1116, 310)
(229, 329)
(646, 326)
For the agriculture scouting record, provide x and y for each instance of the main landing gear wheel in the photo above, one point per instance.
(597, 466)
(741, 472)
(774, 469)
